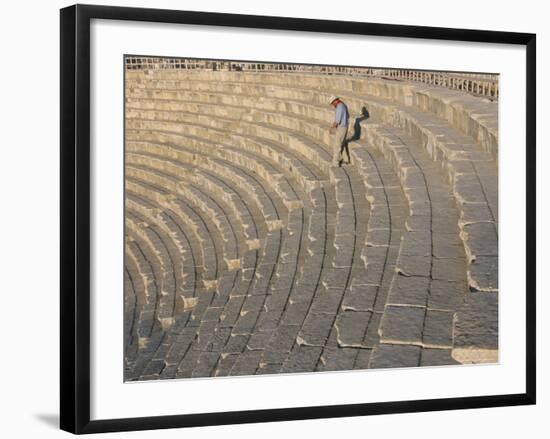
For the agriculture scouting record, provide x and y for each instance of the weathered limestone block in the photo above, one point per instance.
(351, 327)
(359, 296)
(302, 359)
(483, 273)
(409, 291)
(446, 295)
(413, 265)
(316, 329)
(417, 243)
(438, 329)
(437, 357)
(389, 355)
(482, 239)
(402, 324)
(337, 359)
(475, 335)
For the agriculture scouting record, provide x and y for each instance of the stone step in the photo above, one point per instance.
(154, 247)
(131, 312)
(216, 187)
(268, 251)
(225, 104)
(215, 211)
(257, 155)
(147, 322)
(298, 124)
(354, 331)
(261, 201)
(475, 117)
(193, 225)
(235, 133)
(433, 304)
(199, 303)
(143, 319)
(184, 260)
(388, 211)
(279, 279)
(237, 327)
(175, 261)
(477, 223)
(263, 318)
(261, 310)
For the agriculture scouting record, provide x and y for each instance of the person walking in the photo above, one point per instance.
(340, 130)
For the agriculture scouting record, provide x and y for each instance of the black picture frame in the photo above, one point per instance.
(75, 217)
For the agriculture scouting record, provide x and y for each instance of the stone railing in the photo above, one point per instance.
(485, 85)
(477, 84)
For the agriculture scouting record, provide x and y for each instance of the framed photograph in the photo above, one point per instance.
(273, 218)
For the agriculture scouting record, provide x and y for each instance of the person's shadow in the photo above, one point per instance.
(356, 135)
(357, 124)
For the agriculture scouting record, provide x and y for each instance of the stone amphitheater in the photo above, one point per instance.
(247, 253)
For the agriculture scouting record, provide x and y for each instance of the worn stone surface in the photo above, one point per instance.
(351, 327)
(360, 297)
(388, 355)
(438, 327)
(476, 322)
(402, 324)
(302, 359)
(337, 359)
(437, 357)
(446, 295)
(483, 273)
(409, 291)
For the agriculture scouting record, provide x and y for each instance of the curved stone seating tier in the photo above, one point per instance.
(246, 315)
(198, 304)
(476, 199)
(272, 224)
(268, 202)
(235, 133)
(303, 120)
(211, 211)
(249, 311)
(243, 215)
(220, 100)
(265, 255)
(357, 327)
(159, 231)
(239, 327)
(131, 318)
(433, 254)
(301, 125)
(137, 289)
(140, 323)
(270, 248)
(147, 323)
(231, 147)
(474, 116)
(200, 232)
(154, 248)
(378, 109)
(259, 311)
(466, 166)
(239, 211)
